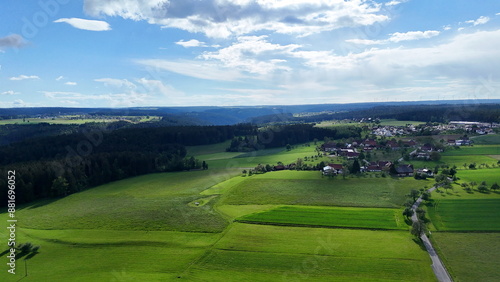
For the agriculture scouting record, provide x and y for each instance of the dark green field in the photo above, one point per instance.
(466, 215)
(369, 218)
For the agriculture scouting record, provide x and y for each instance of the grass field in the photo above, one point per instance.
(308, 188)
(469, 256)
(107, 255)
(487, 139)
(272, 253)
(474, 150)
(466, 215)
(149, 202)
(490, 175)
(370, 218)
(457, 160)
(393, 122)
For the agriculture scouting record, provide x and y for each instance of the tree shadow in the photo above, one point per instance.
(5, 252)
(419, 243)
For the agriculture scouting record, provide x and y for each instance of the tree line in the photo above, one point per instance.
(57, 166)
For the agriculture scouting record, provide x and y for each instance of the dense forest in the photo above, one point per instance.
(56, 166)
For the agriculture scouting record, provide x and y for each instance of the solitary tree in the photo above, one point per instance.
(418, 228)
(355, 168)
(414, 194)
(408, 212)
(495, 186)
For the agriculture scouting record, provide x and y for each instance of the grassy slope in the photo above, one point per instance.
(271, 253)
(371, 218)
(487, 139)
(308, 188)
(150, 202)
(107, 255)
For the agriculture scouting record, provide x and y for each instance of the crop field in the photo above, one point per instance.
(370, 218)
(469, 256)
(272, 253)
(355, 192)
(466, 215)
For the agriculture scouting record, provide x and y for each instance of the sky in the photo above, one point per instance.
(150, 53)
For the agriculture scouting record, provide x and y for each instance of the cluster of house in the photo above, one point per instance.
(390, 131)
(350, 150)
(401, 170)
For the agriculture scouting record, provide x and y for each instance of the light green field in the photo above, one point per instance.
(271, 253)
(266, 156)
(469, 256)
(107, 255)
(149, 202)
(489, 139)
(393, 122)
(280, 187)
(457, 161)
(490, 175)
(466, 215)
(474, 150)
(370, 218)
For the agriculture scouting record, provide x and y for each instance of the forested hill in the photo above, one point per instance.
(56, 166)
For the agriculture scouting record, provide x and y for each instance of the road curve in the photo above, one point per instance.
(437, 265)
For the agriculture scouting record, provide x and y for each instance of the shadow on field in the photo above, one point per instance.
(41, 203)
(419, 243)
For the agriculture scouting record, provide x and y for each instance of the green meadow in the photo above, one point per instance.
(469, 256)
(487, 139)
(474, 150)
(173, 226)
(393, 122)
(370, 218)
(274, 253)
(466, 214)
(308, 188)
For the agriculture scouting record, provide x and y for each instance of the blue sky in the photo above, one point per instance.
(121, 53)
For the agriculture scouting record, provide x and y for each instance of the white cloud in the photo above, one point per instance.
(84, 24)
(118, 83)
(413, 35)
(497, 14)
(253, 54)
(191, 43)
(12, 41)
(397, 37)
(196, 69)
(158, 87)
(10, 92)
(446, 27)
(71, 83)
(366, 41)
(24, 77)
(480, 20)
(113, 99)
(19, 103)
(394, 2)
(225, 18)
(59, 78)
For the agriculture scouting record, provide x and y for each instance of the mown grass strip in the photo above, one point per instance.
(366, 218)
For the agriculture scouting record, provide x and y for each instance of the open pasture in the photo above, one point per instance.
(272, 253)
(490, 139)
(469, 256)
(107, 255)
(149, 202)
(466, 214)
(370, 218)
(473, 150)
(355, 192)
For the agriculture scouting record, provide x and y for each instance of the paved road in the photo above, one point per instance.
(437, 265)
